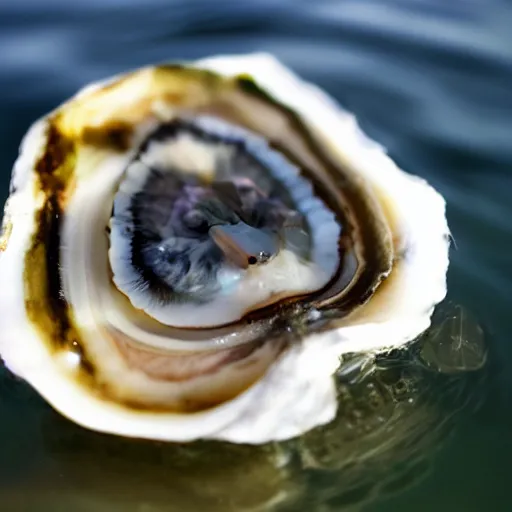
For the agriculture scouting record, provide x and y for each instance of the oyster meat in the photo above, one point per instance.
(188, 251)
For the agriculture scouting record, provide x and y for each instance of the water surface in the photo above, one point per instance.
(431, 81)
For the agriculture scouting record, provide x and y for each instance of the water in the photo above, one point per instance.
(428, 79)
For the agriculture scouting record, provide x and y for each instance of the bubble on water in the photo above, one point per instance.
(456, 344)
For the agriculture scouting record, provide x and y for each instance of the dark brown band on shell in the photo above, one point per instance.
(376, 257)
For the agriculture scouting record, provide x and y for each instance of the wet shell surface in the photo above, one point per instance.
(189, 250)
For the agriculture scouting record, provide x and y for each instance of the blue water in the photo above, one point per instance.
(431, 80)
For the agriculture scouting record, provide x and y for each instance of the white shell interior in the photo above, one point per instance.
(298, 392)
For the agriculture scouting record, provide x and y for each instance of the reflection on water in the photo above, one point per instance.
(395, 411)
(430, 80)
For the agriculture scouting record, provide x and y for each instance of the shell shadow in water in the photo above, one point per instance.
(395, 411)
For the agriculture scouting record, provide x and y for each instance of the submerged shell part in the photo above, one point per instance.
(190, 249)
(391, 424)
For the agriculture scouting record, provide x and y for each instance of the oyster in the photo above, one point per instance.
(188, 250)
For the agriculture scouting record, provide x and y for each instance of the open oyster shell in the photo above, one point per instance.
(189, 250)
